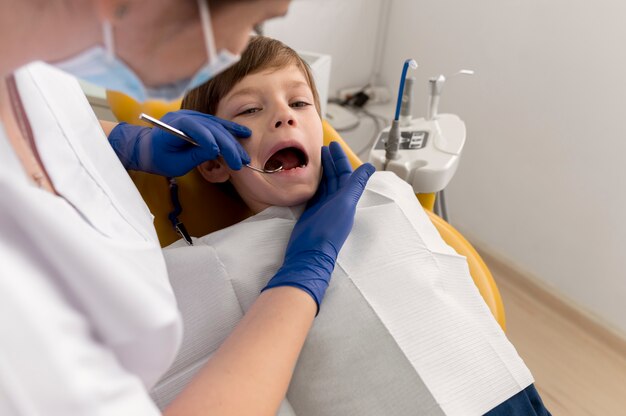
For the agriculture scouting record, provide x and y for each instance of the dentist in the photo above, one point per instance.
(88, 319)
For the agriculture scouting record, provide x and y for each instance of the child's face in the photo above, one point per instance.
(277, 105)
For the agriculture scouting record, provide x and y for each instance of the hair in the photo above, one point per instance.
(262, 53)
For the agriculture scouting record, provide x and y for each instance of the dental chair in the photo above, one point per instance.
(207, 208)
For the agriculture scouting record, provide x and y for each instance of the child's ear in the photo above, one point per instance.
(214, 171)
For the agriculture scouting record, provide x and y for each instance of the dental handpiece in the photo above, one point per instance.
(178, 133)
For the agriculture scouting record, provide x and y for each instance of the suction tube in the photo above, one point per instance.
(408, 63)
(393, 140)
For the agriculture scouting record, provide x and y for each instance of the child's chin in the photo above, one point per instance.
(302, 198)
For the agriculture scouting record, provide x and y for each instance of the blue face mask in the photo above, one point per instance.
(100, 66)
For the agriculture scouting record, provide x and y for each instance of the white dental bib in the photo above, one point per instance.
(402, 330)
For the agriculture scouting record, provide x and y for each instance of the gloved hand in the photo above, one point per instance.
(156, 151)
(324, 226)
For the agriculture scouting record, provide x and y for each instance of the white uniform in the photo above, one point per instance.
(88, 320)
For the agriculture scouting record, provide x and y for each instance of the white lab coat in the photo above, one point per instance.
(88, 320)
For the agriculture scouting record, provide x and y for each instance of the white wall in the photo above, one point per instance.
(345, 29)
(543, 178)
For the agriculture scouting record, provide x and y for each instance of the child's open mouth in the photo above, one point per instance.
(288, 158)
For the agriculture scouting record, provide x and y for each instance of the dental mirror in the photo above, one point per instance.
(278, 169)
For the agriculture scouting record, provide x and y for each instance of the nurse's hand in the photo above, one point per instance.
(324, 226)
(156, 151)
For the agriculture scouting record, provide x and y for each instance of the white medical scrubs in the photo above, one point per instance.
(88, 320)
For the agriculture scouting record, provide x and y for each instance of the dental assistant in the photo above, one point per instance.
(88, 318)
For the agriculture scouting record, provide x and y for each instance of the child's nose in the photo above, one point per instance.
(279, 123)
(284, 117)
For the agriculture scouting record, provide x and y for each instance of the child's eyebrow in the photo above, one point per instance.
(296, 84)
(257, 91)
(243, 91)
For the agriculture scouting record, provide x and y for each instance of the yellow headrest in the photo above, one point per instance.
(125, 108)
(206, 208)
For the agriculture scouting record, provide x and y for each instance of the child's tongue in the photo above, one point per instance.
(287, 158)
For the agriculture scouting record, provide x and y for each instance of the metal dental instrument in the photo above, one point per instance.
(278, 169)
(167, 128)
(182, 135)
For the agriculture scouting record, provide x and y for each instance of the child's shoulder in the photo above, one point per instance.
(389, 186)
(389, 182)
(394, 200)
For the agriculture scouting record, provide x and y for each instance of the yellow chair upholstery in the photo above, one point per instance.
(206, 208)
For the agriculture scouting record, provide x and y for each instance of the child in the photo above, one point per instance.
(403, 330)
(278, 101)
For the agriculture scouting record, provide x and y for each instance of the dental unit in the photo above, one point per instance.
(425, 151)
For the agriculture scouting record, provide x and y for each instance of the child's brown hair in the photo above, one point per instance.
(261, 53)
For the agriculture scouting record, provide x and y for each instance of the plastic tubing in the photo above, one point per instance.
(408, 63)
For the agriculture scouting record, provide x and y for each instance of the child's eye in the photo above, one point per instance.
(299, 104)
(249, 111)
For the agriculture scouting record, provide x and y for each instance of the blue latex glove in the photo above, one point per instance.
(156, 151)
(324, 226)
